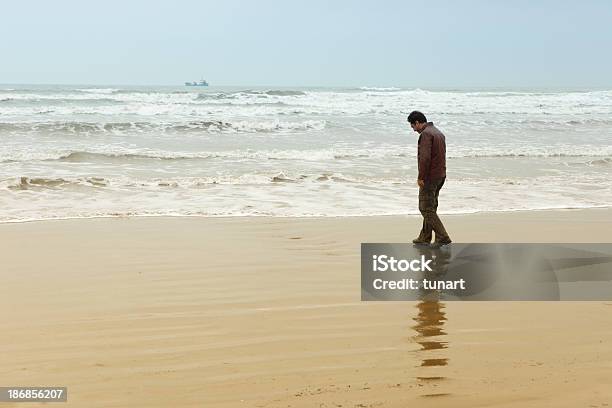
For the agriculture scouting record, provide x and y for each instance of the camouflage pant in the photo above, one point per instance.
(428, 206)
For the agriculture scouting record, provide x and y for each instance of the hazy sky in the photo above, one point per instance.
(308, 43)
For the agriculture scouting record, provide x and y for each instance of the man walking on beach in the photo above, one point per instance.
(432, 173)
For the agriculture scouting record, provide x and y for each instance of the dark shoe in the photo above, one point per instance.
(441, 243)
(421, 241)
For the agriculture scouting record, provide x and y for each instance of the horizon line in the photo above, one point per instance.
(352, 86)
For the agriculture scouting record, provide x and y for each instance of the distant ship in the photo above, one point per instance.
(194, 83)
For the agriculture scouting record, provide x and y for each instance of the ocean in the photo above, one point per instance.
(86, 151)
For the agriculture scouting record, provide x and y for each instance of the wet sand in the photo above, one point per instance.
(265, 312)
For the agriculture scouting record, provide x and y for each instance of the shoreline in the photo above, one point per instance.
(311, 217)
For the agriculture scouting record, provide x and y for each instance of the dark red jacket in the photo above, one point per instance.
(432, 154)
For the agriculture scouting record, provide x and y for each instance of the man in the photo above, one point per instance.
(432, 173)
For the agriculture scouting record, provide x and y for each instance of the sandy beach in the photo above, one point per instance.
(266, 312)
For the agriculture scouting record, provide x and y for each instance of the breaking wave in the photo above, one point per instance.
(118, 155)
(377, 89)
(211, 126)
(26, 183)
(45, 183)
(275, 93)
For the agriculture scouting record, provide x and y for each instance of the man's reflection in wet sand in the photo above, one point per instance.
(430, 323)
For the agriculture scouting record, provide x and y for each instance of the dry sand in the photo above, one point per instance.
(265, 312)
